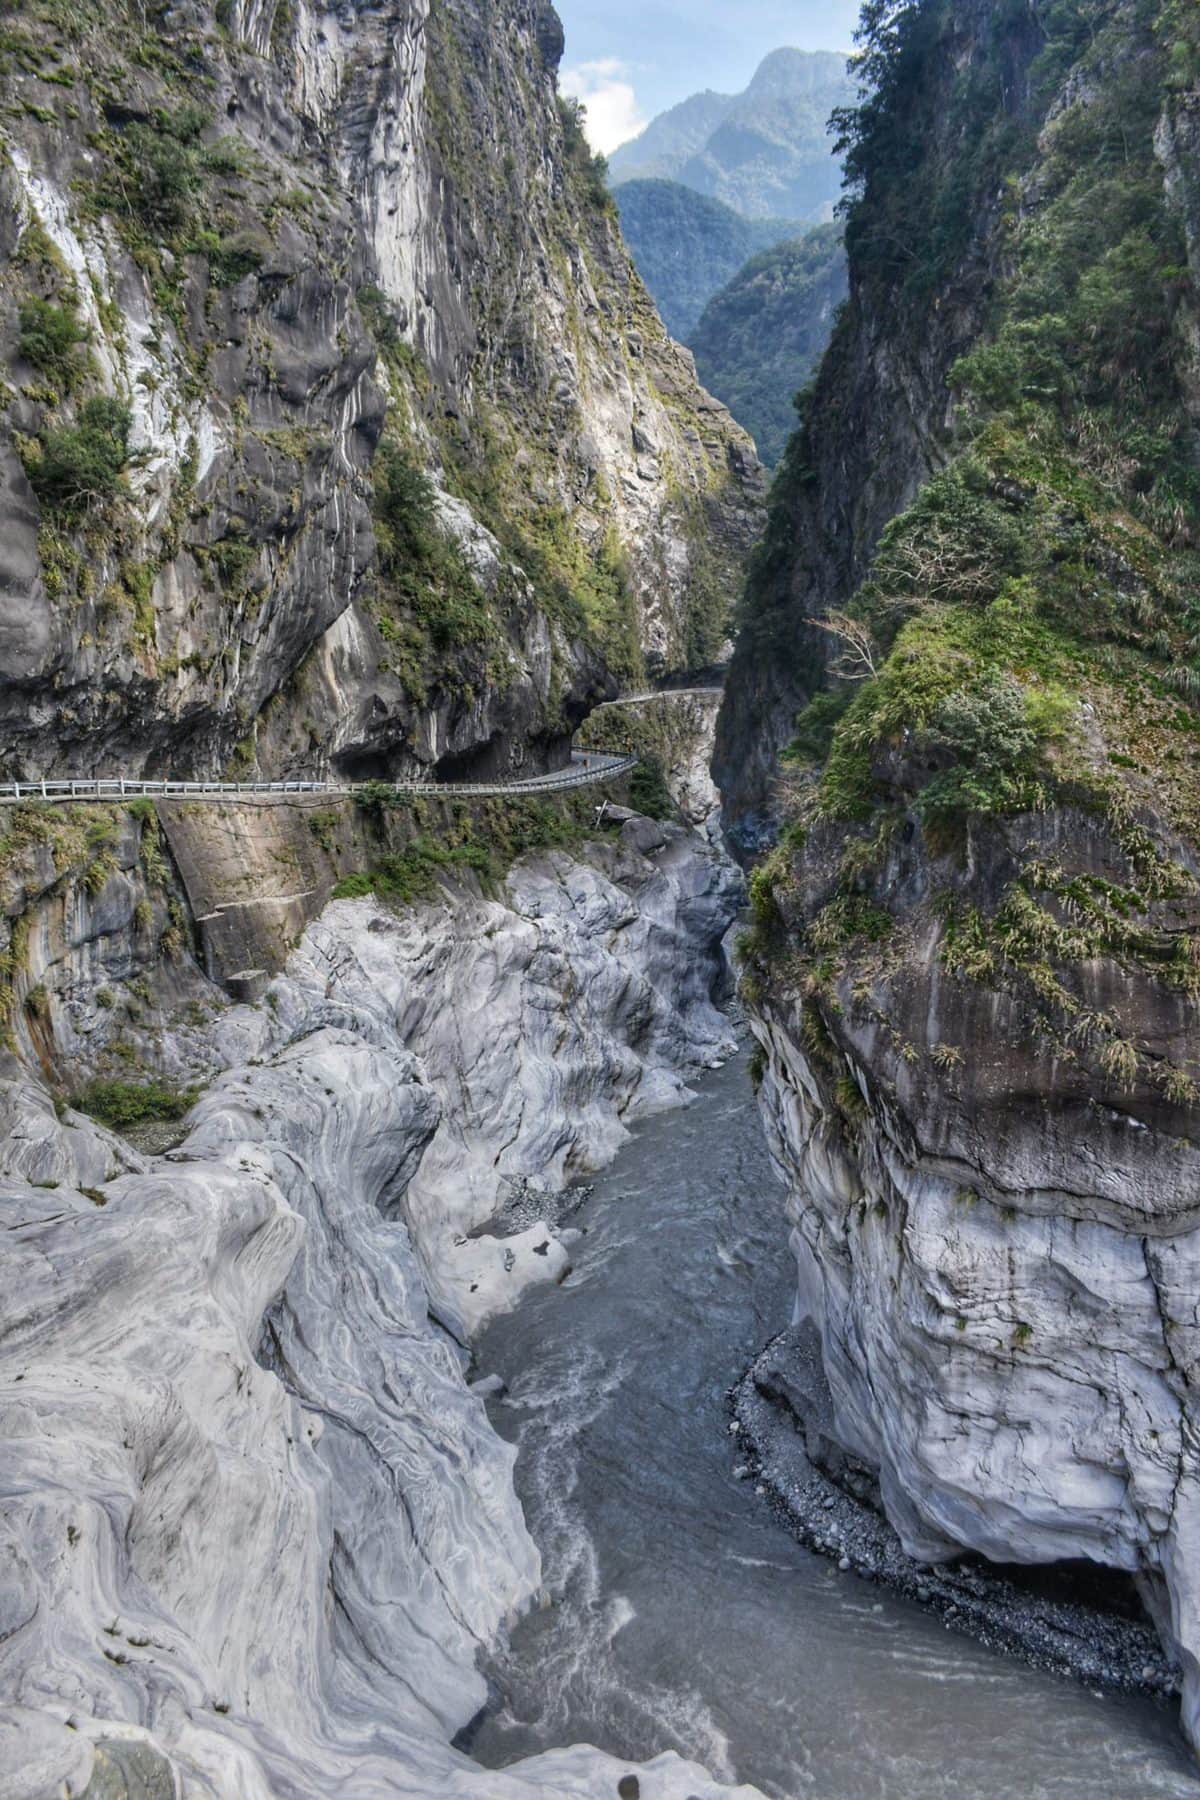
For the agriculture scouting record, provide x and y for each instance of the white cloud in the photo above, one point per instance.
(613, 113)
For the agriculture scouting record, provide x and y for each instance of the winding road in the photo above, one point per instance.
(586, 769)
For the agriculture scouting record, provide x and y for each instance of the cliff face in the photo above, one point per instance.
(339, 429)
(879, 419)
(974, 960)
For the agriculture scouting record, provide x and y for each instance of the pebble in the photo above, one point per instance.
(845, 1565)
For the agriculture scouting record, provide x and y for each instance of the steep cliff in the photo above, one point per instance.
(976, 944)
(339, 430)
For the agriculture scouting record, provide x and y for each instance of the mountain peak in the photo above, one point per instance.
(765, 152)
(787, 72)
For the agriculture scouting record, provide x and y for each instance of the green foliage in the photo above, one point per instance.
(121, 1104)
(377, 312)
(412, 873)
(423, 573)
(49, 339)
(990, 739)
(762, 337)
(165, 164)
(1068, 518)
(911, 214)
(483, 840)
(816, 725)
(233, 257)
(77, 467)
(157, 180)
(649, 793)
(588, 172)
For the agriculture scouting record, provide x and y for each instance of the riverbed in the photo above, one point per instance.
(681, 1615)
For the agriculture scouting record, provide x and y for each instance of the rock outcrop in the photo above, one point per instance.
(973, 968)
(255, 1526)
(340, 430)
(672, 733)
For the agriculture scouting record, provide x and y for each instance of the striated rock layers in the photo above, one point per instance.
(975, 959)
(997, 1237)
(339, 430)
(255, 1526)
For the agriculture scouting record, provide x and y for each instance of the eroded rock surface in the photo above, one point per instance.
(255, 1524)
(995, 1222)
(305, 248)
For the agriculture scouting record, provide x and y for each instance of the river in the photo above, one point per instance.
(683, 1617)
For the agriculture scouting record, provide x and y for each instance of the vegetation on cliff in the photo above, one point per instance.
(1026, 642)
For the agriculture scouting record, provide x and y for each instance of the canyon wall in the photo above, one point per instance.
(339, 431)
(963, 710)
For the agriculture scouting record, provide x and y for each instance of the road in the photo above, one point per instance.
(586, 770)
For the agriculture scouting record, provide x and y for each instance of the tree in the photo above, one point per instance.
(80, 464)
(858, 657)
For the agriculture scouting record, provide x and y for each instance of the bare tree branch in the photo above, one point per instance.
(857, 659)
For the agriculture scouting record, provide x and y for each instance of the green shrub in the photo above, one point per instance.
(589, 171)
(987, 732)
(231, 258)
(121, 1104)
(79, 465)
(50, 336)
(422, 570)
(816, 725)
(649, 793)
(166, 166)
(411, 874)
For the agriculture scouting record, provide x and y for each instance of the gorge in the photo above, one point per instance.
(634, 1277)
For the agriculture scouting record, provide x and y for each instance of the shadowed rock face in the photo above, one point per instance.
(996, 1232)
(393, 237)
(980, 1076)
(256, 1527)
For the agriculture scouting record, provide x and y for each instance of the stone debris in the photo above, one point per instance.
(782, 1408)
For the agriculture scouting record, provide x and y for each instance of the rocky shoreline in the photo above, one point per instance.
(781, 1418)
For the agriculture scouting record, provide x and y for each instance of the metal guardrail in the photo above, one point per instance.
(586, 769)
(692, 693)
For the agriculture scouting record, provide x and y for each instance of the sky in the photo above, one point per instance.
(631, 59)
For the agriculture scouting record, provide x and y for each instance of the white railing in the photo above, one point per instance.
(586, 769)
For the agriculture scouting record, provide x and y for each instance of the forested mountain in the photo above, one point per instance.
(687, 246)
(760, 339)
